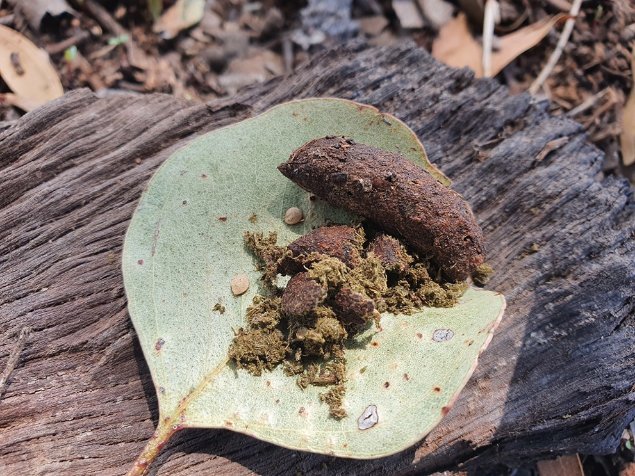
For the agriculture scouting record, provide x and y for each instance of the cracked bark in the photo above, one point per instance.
(557, 377)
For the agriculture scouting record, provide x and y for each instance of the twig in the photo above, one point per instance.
(586, 104)
(515, 24)
(136, 56)
(490, 18)
(555, 56)
(287, 54)
(104, 18)
(13, 358)
(61, 46)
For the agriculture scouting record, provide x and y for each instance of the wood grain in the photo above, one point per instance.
(557, 378)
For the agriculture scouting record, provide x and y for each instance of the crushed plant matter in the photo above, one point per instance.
(340, 283)
(268, 252)
(483, 273)
(394, 193)
(258, 349)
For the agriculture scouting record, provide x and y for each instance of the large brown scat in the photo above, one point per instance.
(302, 296)
(399, 196)
(339, 241)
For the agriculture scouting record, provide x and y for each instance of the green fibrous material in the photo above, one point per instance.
(327, 270)
(312, 345)
(268, 252)
(258, 349)
(264, 313)
(483, 274)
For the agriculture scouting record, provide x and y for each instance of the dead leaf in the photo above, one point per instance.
(456, 47)
(27, 70)
(628, 470)
(183, 14)
(513, 45)
(568, 465)
(260, 65)
(437, 12)
(627, 137)
(374, 25)
(18, 101)
(408, 14)
(35, 11)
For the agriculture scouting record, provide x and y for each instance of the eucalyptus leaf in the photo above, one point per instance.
(184, 245)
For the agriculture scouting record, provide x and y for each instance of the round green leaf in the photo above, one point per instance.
(184, 245)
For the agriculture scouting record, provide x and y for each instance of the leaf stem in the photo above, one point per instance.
(170, 425)
(165, 429)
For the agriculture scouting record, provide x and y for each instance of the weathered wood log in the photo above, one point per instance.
(557, 378)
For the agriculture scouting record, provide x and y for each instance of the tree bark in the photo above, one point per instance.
(557, 378)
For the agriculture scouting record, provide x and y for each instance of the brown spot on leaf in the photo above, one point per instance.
(229, 423)
(268, 383)
(437, 389)
(203, 176)
(419, 335)
(445, 410)
(159, 344)
(139, 261)
(386, 384)
(302, 412)
(374, 343)
(184, 202)
(223, 218)
(406, 377)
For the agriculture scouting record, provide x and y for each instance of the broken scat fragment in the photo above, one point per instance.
(340, 283)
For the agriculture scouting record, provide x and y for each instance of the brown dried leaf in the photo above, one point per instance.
(568, 465)
(516, 43)
(27, 70)
(183, 14)
(259, 65)
(436, 12)
(374, 25)
(456, 47)
(627, 137)
(408, 14)
(18, 101)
